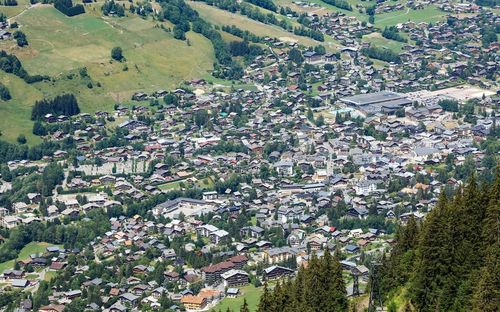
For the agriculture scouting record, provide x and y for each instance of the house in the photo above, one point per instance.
(232, 292)
(252, 231)
(352, 248)
(52, 308)
(19, 283)
(128, 298)
(118, 307)
(13, 274)
(284, 167)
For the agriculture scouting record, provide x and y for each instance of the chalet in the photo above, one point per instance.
(233, 278)
(52, 308)
(252, 231)
(276, 272)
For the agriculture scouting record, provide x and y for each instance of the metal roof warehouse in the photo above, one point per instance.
(380, 98)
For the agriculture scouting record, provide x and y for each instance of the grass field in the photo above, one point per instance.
(31, 248)
(206, 183)
(428, 14)
(220, 17)
(16, 113)
(11, 11)
(250, 293)
(379, 41)
(59, 45)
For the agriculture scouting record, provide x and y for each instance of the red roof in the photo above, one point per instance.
(218, 267)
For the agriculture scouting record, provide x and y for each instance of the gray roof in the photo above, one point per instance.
(372, 98)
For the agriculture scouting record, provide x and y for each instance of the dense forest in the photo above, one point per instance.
(382, 54)
(451, 261)
(66, 7)
(65, 104)
(317, 288)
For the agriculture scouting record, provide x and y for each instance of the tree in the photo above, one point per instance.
(21, 139)
(117, 54)
(244, 307)
(296, 56)
(20, 38)
(4, 93)
(318, 288)
(465, 277)
(39, 129)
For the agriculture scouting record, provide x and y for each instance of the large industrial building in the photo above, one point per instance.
(383, 101)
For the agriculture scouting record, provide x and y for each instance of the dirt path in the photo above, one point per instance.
(36, 5)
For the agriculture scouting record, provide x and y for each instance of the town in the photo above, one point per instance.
(193, 199)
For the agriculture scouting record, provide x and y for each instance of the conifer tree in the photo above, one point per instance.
(244, 307)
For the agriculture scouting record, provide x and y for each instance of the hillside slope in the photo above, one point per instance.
(59, 46)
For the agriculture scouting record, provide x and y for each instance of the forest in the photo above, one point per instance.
(450, 262)
(318, 288)
(66, 7)
(65, 104)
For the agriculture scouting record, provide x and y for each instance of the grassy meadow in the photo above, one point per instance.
(59, 46)
(249, 292)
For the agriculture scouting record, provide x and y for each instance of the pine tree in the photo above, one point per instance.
(265, 300)
(244, 307)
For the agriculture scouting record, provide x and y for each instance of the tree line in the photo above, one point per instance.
(266, 4)
(341, 4)
(392, 33)
(450, 262)
(71, 236)
(66, 7)
(269, 18)
(10, 64)
(65, 104)
(111, 7)
(382, 54)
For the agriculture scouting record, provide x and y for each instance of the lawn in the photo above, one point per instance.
(428, 14)
(31, 248)
(250, 293)
(50, 275)
(379, 41)
(60, 45)
(206, 183)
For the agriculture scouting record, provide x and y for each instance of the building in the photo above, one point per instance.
(275, 272)
(234, 278)
(194, 302)
(52, 308)
(372, 103)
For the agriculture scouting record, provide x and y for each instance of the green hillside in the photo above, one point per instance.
(59, 46)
